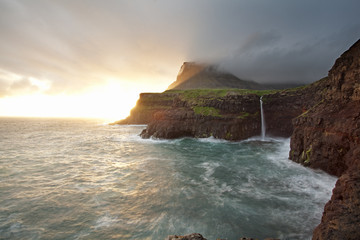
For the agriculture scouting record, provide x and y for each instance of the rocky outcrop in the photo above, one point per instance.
(194, 75)
(227, 114)
(340, 219)
(282, 106)
(194, 236)
(327, 137)
(146, 107)
(230, 114)
(203, 114)
(197, 236)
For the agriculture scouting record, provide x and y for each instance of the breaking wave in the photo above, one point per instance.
(77, 179)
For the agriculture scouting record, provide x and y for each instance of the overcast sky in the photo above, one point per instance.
(67, 46)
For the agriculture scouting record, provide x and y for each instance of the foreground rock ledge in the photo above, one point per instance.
(194, 236)
(197, 236)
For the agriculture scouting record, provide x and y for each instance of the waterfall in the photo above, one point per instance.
(262, 120)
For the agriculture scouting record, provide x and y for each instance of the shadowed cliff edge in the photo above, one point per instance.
(323, 120)
(327, 136)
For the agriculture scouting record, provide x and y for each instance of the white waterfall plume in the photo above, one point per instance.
(263, 128)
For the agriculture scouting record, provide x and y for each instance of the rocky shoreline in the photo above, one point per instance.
(323, 120)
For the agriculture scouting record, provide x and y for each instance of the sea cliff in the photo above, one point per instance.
(231, 114)
(327, 137)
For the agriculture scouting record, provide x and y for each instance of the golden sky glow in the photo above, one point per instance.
(111, 101)
(92, 58)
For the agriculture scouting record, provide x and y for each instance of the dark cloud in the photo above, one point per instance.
(264, 59)
(78, 44)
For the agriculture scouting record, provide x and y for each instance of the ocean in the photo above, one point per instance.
(83, 179)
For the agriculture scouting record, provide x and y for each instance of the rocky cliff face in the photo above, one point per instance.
(230, 117)
(231, 114)
(227, 114)
(327, 137)
(146, 107)
(281, 107)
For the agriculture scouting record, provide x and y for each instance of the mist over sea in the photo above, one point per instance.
(82, 179)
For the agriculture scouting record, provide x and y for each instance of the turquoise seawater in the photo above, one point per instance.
(81, 179)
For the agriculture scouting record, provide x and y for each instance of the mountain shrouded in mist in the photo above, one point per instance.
(194, 75)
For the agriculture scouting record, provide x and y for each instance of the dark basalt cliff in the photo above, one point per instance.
(191, 110)
(201, 114)
(231, 114)
(327, 136)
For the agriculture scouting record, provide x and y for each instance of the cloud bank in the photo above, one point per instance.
(69, 46)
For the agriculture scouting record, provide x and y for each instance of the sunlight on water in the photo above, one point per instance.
(80, 179)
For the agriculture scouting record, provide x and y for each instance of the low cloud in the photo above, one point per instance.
(24, 85)
(265, 58)
(18, 87)
(75, 45)
(3, 88)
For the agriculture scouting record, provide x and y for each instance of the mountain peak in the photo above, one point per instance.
(194, 75)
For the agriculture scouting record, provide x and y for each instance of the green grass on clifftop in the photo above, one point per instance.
(213, 93)
(207, 111)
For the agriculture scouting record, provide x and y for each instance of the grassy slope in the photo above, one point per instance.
(197, 97)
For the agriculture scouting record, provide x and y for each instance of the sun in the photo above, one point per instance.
(111, 101)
